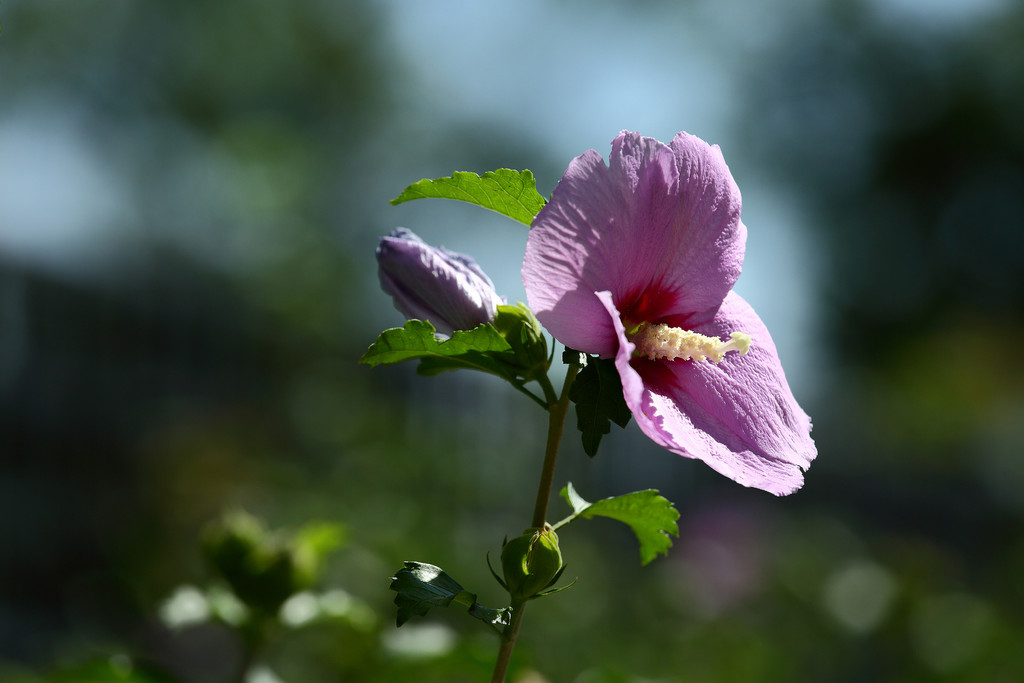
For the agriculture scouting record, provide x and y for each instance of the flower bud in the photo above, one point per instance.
(530, 562)
(526, 337)
(443, 287)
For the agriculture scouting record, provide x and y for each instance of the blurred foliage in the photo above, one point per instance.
(266, 580)
(200, 355)
(263, 569)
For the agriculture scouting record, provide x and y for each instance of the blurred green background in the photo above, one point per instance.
(190, 197)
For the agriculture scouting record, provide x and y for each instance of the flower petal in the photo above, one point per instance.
(658, 227)
(738, 416)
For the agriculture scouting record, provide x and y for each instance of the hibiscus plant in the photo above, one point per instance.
(630, 266)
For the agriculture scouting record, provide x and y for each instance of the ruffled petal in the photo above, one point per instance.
(738, 416)
(658, 227)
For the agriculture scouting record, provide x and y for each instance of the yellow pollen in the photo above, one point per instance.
(672, 343)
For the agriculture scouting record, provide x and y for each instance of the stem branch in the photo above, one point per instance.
(558, 525)
(557, 410)
(529, 394)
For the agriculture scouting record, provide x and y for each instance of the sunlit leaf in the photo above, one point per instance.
(498, 618)
(510, 193)
(651, 517)
(482, 348)
(421, 586)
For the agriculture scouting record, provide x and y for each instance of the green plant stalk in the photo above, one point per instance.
(508, 643)
(559, 524)
(530, 395)
(556, 422)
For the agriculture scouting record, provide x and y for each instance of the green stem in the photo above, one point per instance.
(550, 397)
(557, 410)
(532, 396)
(549, 391)
(558, 525)
(556, 422)
(508, 643)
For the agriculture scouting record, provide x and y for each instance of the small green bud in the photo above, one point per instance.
(531, 562)
(524, 333)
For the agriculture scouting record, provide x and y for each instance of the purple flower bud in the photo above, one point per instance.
(446, 288)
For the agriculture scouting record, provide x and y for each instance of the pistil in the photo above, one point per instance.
(673, 343)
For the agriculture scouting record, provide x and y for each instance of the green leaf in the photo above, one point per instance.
(421, 586)
(651, 517)
(497, 618)
(482, 348)
(510, 193)
(416, 340)
(574, 499)
(597, 393)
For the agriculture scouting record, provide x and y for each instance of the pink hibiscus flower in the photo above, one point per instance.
(636, 261)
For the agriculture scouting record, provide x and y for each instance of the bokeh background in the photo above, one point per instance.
(190, 197)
